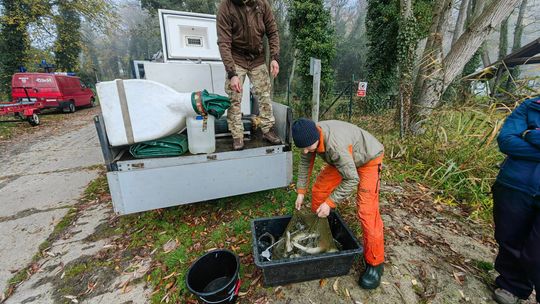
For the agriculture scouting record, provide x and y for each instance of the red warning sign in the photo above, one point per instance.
(362, 89)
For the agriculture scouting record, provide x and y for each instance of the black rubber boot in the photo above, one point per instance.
(371, 278)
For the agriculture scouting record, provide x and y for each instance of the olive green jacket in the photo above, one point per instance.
(345, 146)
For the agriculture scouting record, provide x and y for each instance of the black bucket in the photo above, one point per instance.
(214, 277)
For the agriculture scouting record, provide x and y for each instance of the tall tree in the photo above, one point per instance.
(313, 36)
(383, 26)
(518, 31)
(518, 37)
(352, 47)
(14, 43)
(68, 41)
(447, 68)
(503, 39)
(382, 30)
(462, 18)
(407, 41)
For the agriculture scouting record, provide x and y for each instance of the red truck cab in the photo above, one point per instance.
(53, 90)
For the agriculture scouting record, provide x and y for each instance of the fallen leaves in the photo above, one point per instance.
(171, 245)
(73, 299)
(335, 286)
(459, 277)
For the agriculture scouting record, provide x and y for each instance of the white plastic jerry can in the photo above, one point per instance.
(201, 134)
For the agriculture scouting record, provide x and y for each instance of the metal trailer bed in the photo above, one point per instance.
(138, 185)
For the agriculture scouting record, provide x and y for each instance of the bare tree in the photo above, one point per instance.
(462, 18)
(433, 51)
(440, 72)
(503, 39)
(518, 31)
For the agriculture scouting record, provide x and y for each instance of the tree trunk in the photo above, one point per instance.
(407, 41)
(440, 12)
(518, 36)
(503, 39)
(442, 72)
(518, 32)
(462, 18)
(291, 76)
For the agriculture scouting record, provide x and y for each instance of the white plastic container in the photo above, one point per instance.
(201, 134)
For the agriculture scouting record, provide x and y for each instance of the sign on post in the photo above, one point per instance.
(362, 89)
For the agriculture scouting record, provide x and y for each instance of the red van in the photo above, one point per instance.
(53, 90)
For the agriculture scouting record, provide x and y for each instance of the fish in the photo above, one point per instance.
(308, 250)
(288, 242)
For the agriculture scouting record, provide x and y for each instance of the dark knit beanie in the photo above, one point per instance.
(304, 132)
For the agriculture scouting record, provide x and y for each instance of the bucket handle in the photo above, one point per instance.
(234, 292)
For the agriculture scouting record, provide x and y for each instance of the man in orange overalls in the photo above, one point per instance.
(354, 161)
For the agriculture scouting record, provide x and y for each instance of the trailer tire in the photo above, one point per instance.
(33, 120)
(93, 102)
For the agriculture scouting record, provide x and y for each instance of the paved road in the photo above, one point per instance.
(41, 176)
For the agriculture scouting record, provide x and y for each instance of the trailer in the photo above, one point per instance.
(25, 110)
(192, 62)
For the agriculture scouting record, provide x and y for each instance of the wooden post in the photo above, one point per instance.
(315, 71)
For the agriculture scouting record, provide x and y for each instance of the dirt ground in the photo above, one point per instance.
(434, 253)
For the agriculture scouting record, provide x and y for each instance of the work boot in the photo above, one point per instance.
(503, 296)
(238, 144)
(272, 137)
(371, 278)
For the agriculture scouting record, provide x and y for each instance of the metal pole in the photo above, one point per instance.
(351, 97)
(316, 72)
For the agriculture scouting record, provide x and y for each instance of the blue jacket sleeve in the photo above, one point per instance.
(533, 137)
(510, 141)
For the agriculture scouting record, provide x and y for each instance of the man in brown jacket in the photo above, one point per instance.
(241, 25)
(354, 161)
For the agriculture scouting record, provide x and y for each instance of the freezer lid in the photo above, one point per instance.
(188, 36)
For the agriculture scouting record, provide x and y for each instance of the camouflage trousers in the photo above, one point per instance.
(260, 79)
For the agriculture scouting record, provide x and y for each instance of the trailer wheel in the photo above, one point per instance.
(71, 107)
(93, 102)
(33, 120)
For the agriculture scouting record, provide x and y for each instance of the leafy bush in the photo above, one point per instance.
(457, 155)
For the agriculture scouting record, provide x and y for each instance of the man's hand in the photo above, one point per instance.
(235, 84)
(323, 210)
(274, 68)
(299, 201)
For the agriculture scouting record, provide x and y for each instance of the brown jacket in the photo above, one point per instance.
(240, 30)
(345, 146)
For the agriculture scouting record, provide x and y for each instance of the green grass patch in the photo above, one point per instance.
(96, 188)
(483, 265)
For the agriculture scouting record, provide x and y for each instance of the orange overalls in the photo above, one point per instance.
(367, 203)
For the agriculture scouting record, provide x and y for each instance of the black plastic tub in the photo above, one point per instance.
(214, 277)
(281, 272)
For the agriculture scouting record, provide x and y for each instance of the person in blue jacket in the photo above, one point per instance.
(516, 210)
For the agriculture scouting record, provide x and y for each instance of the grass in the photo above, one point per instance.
(198, 228)
(456, 157)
